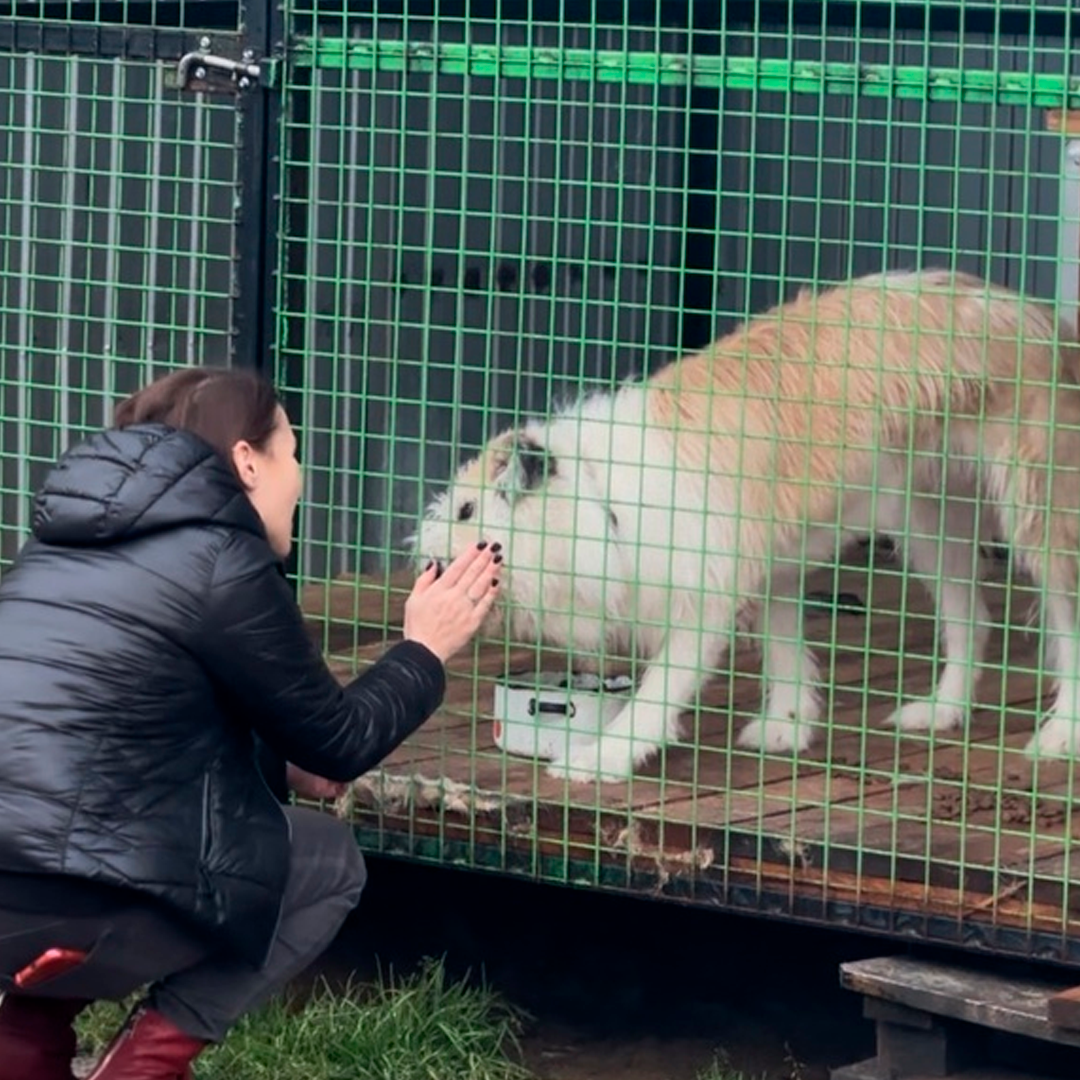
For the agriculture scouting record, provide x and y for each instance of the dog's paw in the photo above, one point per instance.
(565, 770)
(608, 760)
(788, 718)
(776, 735)
(925, 714)
(1059, 737)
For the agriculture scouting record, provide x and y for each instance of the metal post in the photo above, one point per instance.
(256, 245)
(1069, 219)
(1069, 243)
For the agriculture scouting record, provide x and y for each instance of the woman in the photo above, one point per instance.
(158, 693)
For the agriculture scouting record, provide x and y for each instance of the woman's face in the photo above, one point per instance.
(271, 476)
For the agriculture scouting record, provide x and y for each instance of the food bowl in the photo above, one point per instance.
(540, 714)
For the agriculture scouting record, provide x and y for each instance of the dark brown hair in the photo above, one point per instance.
(221, 405)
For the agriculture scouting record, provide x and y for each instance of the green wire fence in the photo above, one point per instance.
(115, 249)
(472, 219)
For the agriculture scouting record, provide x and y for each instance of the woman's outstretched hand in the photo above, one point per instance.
(445, 610)
(309, 786)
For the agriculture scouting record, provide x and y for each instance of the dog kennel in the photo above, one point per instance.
(430, 220)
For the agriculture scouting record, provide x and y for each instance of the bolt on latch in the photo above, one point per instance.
(244, 73)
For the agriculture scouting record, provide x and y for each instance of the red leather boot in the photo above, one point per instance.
(148, 1047)
(37, 1041)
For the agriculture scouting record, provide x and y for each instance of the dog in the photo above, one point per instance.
(651, 519)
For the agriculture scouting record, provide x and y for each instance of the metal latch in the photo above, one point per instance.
(195, 70)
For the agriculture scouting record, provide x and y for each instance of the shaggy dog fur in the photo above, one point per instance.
(647, 519)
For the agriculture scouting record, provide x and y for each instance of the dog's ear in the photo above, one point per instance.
(520, 465)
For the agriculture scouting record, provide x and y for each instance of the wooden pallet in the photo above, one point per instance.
(952, 828)
(935, 1020)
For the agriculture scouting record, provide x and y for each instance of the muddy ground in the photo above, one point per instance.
(638, 988)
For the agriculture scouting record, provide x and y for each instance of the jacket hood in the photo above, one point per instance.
(121, 484)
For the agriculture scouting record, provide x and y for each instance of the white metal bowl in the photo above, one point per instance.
(540, 714)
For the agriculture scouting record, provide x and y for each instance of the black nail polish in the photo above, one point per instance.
(498, 558)
(494, 582)
(496, 547)
(429, 566)
(481, 545)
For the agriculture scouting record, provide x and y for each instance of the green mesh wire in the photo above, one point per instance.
(116, 209)
(498, 214)
(483, 217)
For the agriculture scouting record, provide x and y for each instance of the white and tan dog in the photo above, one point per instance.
(646, 520)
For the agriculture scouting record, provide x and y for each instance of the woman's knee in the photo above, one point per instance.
(325, 855)
(356, 871)
(352, 866)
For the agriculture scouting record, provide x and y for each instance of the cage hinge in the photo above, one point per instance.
(206, 71)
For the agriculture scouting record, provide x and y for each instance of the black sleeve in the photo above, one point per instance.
(255, 645)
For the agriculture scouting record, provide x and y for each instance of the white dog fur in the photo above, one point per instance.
(647, 519)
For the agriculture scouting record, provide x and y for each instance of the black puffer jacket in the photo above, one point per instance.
(147, 638)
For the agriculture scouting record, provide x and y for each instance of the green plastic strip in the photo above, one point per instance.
(671, 69)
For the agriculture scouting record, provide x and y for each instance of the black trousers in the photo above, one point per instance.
(135, 944)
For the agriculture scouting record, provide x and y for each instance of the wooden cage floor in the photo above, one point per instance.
(953, 825)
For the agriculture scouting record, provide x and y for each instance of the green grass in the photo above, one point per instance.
(420, 1027)
(720, 1070)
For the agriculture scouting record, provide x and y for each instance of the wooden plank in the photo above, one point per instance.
(906, 833)
(1014, 1005)
(1063, 1009)
(885, 759)
(1055, 874)
(471, 757)
(870, 1070)
(868, 816)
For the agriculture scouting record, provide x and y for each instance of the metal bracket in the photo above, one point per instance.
(205, 71)
(1067, 122)
(1069, 235)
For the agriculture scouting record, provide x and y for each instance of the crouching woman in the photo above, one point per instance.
(158, 692)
